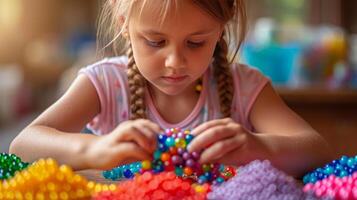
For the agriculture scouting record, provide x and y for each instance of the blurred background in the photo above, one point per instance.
(308, 48)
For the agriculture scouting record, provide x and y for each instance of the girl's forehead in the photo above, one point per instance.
(171, 14)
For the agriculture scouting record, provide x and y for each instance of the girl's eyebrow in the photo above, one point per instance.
(200, 32)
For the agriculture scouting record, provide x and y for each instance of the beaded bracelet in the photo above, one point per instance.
(171, 155)
(345, 166)
(9, 164)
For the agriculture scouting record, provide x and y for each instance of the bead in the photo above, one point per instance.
(180, 143)
(170, 142)
(188, 171)
(178, 171)
(165, 157)
(146, 165)
(190, 163)
(176, 160)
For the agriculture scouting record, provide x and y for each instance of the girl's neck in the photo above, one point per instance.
(174, 109)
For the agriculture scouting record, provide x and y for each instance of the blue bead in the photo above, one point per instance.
(343, 160)
(208, 175)
(188, 138)
(163, 147)
(220, 180)
(351, 162)
(162, 138)
(343, 173)
(329, 170)
(306, 179)
(202, 179)
(170, 142)
(339, 167)
(128, 173)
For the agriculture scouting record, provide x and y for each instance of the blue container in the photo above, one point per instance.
(278, 62)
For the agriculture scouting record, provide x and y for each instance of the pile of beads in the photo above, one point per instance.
(345, 166)
(165, 185)
(335, 187)
(9, 164)
(171, 155)
(258, 180)
(44, 179)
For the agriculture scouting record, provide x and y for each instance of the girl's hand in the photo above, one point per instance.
(221, 141)
(130, 141)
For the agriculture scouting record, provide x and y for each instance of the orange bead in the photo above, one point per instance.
(188, 171)
(165, 157)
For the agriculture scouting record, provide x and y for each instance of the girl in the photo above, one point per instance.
(176, 74)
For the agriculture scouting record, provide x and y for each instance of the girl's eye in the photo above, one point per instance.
(195, 44)
(156, 43)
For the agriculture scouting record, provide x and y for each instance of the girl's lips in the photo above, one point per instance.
(174, 79)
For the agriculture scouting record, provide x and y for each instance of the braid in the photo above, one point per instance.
(136, 87)
(222, 73)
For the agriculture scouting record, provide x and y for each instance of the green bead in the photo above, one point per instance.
(178, 171)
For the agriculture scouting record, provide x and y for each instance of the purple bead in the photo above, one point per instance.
(180, 151)
(180, 135)
(176, 160)
(186, 156)
(195, 155)
(190, 163)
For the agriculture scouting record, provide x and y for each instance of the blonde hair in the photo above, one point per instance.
(116, 14)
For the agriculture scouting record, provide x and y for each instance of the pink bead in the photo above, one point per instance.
(354, 192)
(330, 193)
(342, 194)
(308, 187)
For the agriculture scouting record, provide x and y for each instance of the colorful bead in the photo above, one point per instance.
(146, 165)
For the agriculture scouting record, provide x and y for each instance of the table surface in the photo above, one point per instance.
(95, 175)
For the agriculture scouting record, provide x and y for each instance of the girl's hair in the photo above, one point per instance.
(116, 14)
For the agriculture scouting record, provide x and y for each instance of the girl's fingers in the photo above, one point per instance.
(149, 134)
(211, 136)
(131, 152)
(205, 126)
(153, 126)
(221, 148)
(135, 135)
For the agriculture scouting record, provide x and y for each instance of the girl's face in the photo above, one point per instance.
(174, 55)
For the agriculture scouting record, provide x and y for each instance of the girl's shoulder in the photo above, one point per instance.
(245, 73)
(119, 62)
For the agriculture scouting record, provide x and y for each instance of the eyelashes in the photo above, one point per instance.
(162, 43)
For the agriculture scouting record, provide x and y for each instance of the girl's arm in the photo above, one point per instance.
(293, 145)
(49, 134)
(281, 136)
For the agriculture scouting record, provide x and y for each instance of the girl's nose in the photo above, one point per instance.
(175, 59)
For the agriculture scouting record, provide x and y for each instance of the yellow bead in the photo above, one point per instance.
(146, 165)
(199, 189)
(64, 195)
(53, 195)
(40, 196)
(112, 187)
(180, 143)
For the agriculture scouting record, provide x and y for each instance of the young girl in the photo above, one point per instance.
(176, 74)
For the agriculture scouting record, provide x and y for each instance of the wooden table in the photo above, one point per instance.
(95, 175)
